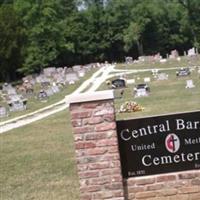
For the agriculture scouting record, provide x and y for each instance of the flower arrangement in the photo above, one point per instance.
(130, 106)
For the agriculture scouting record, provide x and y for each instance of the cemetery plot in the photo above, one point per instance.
(167, 96)
(183, 72)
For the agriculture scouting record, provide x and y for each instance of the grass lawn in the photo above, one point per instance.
(184, 62)
(37, 161)
(167, 96)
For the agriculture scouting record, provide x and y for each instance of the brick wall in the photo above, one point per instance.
(98, 162)
(174, 186)
(96, 145)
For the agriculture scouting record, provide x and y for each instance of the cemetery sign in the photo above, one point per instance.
(161, 144)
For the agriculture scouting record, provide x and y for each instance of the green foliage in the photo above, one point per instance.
(67, 32)
(45, 31)
(11, 36)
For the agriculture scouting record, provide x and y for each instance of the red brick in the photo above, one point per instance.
(195, 182)
(166, 178)
(188, 190)
(96, 136)
(168, 192)
(145, 195)
(155, 186)
(105, 127)
(86, 196)
(110, 172)
(81, 130)
(76, 123)
(93, 120)
(109, 117)
(88, 174)
(90, 105)
(91, 188)
(85, 145)
(114, 186)
(104, 111)
(81, 115)
(100, 181)
(136, 189)
(145, 181)
(108, 142)
(195, 196)
(79, 137)
(187, 176)
(96, 151)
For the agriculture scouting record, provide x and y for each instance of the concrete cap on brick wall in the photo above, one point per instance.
(91, 96)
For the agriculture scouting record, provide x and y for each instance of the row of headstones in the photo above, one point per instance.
(17, 102)
(121, 82)
(157, 57)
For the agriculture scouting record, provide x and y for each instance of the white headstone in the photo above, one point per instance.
(17, 106)
(189, 84)
(141, 92)
(191, 52)
(147, 79)
(71, 78)
(3, 112)
(162, 76)
(130, 81)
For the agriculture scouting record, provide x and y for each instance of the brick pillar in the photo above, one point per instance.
(96, 145)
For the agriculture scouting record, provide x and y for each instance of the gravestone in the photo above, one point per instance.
(11, 91)
(128, 60)
(154, 72)
(49, 91)
(81, 73)
(163, 60)
(147, 79)
(191, 52)
(3, 112)
(162, 76)
(130, 81)
(141, 92)
(71, 78)
(17, 103)
(17, 106)
(174, 54)
(76, 68)
(55, 89)
(189, 84)
(118, 83)
(42, 95)
(49, 71)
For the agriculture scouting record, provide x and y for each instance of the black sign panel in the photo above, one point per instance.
(160, 144)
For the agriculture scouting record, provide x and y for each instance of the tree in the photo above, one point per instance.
(45, 23)
(11, 40)
(192, 8)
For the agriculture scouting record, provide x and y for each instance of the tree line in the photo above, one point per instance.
(35, 34)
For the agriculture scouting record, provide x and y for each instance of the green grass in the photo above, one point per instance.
(184, 62)
(167, 96)
(37, 161)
